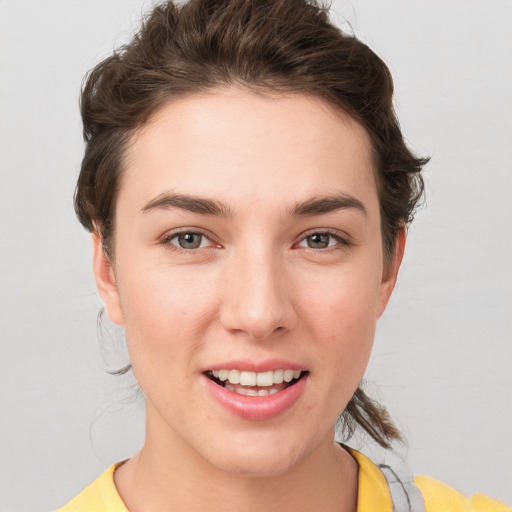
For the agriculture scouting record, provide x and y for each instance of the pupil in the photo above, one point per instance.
(190, 240)
(318, 241)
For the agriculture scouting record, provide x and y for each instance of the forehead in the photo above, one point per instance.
(241, 146)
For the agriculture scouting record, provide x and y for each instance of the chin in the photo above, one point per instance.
(257, 466)
(260, 455)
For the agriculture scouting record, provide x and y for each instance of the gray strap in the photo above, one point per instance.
(405, 495)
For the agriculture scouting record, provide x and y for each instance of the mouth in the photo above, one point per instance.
(255, 383)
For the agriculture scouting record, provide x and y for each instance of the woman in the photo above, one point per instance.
(248, 189)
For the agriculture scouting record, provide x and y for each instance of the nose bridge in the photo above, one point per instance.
(258, 293)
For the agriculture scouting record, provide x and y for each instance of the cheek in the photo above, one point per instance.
(347, 299)
(165, 312)
(341, 317)
(346, 328)
(163, 294)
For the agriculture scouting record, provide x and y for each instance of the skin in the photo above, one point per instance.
(254, 290)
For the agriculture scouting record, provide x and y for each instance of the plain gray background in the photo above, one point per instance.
(443, 352)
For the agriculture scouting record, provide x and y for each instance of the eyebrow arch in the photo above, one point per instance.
(323, 205)
(194, 204)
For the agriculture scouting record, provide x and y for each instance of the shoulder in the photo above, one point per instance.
(387, 491)
(440, 497)
(100, 496)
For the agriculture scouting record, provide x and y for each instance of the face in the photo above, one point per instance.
(248, 250)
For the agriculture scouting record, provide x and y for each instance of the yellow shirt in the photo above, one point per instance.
(373, 494)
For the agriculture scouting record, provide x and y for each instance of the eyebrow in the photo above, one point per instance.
(194, 204)
(204, 206)
(323, 205)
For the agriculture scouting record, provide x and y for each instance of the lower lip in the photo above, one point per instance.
(257, 408)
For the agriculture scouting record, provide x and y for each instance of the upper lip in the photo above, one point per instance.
(256, 366)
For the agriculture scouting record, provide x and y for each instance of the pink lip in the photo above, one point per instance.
(257, 408)
(252, 366)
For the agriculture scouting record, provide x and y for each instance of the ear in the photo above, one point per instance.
(390, 271)
(105, 281)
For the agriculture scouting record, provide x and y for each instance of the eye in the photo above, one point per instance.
(189, 240)
(322, 240)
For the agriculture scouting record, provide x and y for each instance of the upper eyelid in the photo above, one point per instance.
(166, 238)
(325, 231)
(178, 231)
(342, 235)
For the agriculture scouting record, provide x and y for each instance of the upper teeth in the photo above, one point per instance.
(256, 379)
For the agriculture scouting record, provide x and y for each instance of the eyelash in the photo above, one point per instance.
(342, 241)
(166, 240)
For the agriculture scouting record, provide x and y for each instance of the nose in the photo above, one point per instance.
(257, 299)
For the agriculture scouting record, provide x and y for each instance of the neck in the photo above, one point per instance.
(169, 475)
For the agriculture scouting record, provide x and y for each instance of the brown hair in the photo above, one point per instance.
(282, 46)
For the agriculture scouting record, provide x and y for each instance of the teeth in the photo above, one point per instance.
(234, 377)
(265, 379)
(262, 379)
(278, 376)
(288, 375)
(245, 391)
(248, 378)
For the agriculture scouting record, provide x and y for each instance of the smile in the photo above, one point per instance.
(256, 396)
(255, 383)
